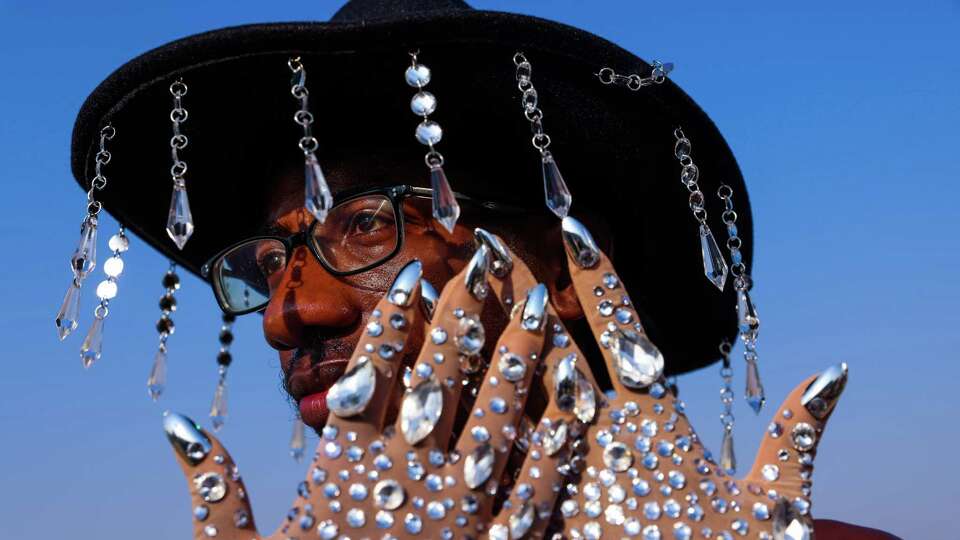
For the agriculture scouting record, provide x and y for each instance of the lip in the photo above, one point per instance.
(308, 385)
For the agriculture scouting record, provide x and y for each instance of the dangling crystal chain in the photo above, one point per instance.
(317, 196)
(728, 459)
(446, 209)
(714, 265)
(555, 192)
(658, 74)
(749, 321)
(84, 258)
(218, 408)
(179, 217)
(92, 346)
(157, 381)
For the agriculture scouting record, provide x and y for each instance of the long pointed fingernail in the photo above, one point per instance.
(186, 437)
(500, 261)
(428, 299)
(476, 275)
(579, 243)
(401, 292)
(535, 308)
(823, 393)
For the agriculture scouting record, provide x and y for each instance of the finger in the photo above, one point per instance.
(451, 348)
(220, 504)
(787, 451)
(375, 364)
(632, 360)
(492, 426)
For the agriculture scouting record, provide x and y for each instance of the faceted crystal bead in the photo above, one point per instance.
(639, 363)
(429, 132)
(69, 314)
(747, 313)
(218, 408)
(84, 259)
(352, 392)
(478, 466)
(113, 266)
(421, 410)
(92, 344)
(119, 243)
(423, 103)
(512, 367)
(210, 487)
(555, 190)
(446, 209)
(317, 196)
(470, 335)
(179, 218)
(617, 456)
(157, 380)
(754, 392)
(804, 436)
(789, 524)
(714, 266)
(521, 520)
(107, 289)
(728, 460)
(297, 440)
(417, 75)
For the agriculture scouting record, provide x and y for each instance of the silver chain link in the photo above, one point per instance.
(530, 103)
(298, 88)
(658, 74)
(99, 181)
(689, 175)
(737, 268)
(178, 141)
(726, 391)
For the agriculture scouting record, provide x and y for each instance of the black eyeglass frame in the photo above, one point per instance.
(396, 195)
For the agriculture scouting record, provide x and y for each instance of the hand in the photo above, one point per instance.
(372, 480)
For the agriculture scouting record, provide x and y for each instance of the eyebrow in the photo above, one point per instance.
(273, 229)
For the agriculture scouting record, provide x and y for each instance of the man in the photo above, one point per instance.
(246, 178)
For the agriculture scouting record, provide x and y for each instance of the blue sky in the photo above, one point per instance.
(843, 119)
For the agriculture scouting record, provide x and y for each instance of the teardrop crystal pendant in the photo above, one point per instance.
(92, 344)
(317, 196)
(421, 410)
(157, 380)
(714, 266)
(179, 218)
(728, 460)
(754, 393)
(639, 363)
(555, 190)
(84, 258)
(69, 314)
(446, 210)
(478, 466)
(747, 312)
(351, 393)
(297, 441)
(218, 408)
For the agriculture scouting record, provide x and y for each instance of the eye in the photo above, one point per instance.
(271, 262)
(367, 221)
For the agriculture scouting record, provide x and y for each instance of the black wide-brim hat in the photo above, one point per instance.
(614, 146)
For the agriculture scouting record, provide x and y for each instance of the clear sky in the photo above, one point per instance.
(844, 118)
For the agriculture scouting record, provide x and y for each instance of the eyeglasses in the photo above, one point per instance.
(362, 231)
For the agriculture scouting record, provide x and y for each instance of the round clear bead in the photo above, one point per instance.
(119, 243)
(107, 289)
(423, 103)
(113, 266)
(429, 132)
(417, 75)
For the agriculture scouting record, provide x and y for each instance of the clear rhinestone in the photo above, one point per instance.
(617, 456)
(638, 362)
(438, 336)
(356, 518)
(421, 410)
(210, 487)
(521, 520)
(478, 466)
(470, 335)
(352, 392)
(555, 437)
(804, 436)
(512, 367)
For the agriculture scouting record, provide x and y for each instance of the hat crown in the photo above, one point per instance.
(370, 10)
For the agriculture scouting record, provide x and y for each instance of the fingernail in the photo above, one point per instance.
(186, 437)
(401, 292)
(475, 278)
(579, 243)
(823, 393)
(500, 261)
(535, 308)
(428, 299)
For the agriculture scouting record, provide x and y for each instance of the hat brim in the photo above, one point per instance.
(614, 146)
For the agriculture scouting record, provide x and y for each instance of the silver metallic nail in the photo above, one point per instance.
(475, 278)
(579, 243)
(428, 299)
(186, 437)
(401, 292)
(535, 308)
(500, 261)
(823, 393)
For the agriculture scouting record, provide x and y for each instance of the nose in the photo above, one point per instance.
(308, 302)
